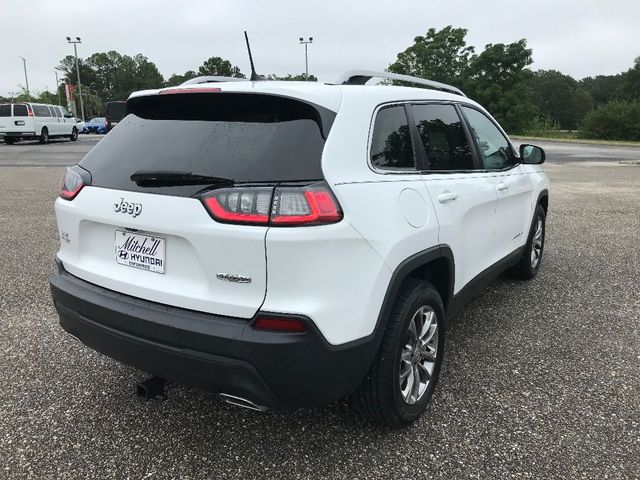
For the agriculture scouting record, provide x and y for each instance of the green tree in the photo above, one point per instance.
(497, 78)
(176, 79)
(603, 88)
(293, 78)
(560, 97)
(441, 55)
(217, 66)
(111, 75)
(630, 87)
(617, 120)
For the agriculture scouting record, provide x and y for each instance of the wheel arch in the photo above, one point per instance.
(435, 265)
(543, 200)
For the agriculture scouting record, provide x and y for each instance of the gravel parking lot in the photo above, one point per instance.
(541, 379)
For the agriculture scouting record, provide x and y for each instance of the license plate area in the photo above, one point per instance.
(145, 251)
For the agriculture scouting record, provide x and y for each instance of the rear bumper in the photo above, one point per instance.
(219, 354)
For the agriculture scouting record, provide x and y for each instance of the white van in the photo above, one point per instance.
(30, 121)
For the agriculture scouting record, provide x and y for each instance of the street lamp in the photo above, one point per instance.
(306, 56)
(75, 51)
(58, 87)
(26, 79)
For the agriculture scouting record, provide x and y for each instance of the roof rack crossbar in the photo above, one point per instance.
(361, 77)
(212, 79)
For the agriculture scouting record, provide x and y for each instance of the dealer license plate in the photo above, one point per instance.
(140, 251)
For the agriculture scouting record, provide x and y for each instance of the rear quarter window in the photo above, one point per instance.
(391, 140)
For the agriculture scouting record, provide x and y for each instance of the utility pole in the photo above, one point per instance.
(58, 88)
(26, 79)
(306, 56)
(75, 51)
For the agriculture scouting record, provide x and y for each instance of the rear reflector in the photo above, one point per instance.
(280, 324)
(71, 185)
(286, 206)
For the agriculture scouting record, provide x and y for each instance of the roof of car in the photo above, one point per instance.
(324, 94)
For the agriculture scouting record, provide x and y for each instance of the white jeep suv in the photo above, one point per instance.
(289, 244)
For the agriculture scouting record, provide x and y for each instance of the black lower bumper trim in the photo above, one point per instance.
(220, 354)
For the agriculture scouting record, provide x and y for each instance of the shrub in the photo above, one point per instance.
(617, 120)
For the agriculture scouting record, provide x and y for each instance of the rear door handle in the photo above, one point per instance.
(502, 186)
(447, 197)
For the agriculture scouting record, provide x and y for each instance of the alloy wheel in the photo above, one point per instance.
(418, 356)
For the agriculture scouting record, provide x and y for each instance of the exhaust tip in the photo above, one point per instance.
(242, 402)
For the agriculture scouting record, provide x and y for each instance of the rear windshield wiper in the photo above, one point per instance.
(163, 178)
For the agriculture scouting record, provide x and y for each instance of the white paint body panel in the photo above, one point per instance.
(336, 275)
(197, 248)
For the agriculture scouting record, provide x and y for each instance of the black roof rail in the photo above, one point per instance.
(212, 79)
(361, 77)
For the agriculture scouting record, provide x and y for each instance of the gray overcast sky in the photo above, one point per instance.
(578, 37)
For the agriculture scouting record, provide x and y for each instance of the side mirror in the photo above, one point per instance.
(532, 155)
(68, 115)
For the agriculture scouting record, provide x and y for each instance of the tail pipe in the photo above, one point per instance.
(242, 402)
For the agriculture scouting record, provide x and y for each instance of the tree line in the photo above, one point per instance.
(530, 102)
(541, 102)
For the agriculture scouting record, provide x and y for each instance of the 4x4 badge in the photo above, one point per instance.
(131, 208)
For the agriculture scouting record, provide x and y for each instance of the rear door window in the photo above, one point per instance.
(56, 111)
(41, 111)
(443, 138)
(391, 140)
(247, 138)
(5, 110)
(20, 111)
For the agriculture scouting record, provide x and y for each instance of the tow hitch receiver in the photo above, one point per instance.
(153, 388)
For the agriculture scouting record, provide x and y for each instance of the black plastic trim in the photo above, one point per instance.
(481, 280)
(221, 354)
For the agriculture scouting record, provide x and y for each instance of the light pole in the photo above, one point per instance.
(26, 79)
(58, 88)
(306, 56)
(75, 51)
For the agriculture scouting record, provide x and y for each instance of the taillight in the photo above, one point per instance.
(280, 324)
(286, 206)
(304, 206)
(71, 185)
(240, 205)
(29, 111)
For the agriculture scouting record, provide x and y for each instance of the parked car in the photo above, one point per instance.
(115, 112)
(80, 125)
(289, 244)
(35, 121)
(95, 125)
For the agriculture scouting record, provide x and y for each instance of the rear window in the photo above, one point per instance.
(20, 111)
(248, 138)
(5, 110)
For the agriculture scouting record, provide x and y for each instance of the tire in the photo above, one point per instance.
(529, 264)
(74, 134)
(386, 398)
(9, 141)
(44, 136)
